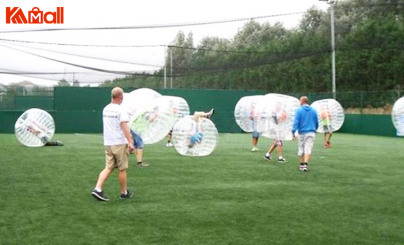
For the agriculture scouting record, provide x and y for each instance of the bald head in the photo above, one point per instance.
(304, 100)
(117, 95)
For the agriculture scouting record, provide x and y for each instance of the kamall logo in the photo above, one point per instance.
(35, 16)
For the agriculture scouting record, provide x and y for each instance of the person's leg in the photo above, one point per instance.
(139, 155)
(329, 139)
(139, 158)
(138, 143)
(255, 136)
(280, 150)
(254, 141)
(169, 136)
(307, 158)
(300, 153)
(198, 115)
(272, 148)
(269, 152)
(102, 177)
(308, 146)
(301, 159)
(110, 165)
(122, 159)
(279, 143)
(122, 180)
(109, 168)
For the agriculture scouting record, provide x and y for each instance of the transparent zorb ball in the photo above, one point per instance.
(397, 115)
(153, 122)
(34, 128)
(178, 106)
(139, 100)
(245, 112)
(276, 113)
(330, 115)
(192, 138)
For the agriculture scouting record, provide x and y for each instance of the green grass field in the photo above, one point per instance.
(353, 194)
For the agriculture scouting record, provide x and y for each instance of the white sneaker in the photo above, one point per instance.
(169, 144)
(303, 168)
(281, 159)
(210, 113)
(254, 149)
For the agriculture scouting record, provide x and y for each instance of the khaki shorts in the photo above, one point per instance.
(117, 156)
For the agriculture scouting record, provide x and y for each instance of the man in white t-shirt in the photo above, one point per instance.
(118, 143)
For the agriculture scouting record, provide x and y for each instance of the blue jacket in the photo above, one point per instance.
(306, 120)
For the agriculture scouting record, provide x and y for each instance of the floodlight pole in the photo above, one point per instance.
(171, 68)
(165, 77)
(334, 89)
(165, 67)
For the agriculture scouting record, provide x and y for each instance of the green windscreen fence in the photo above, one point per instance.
(78, 98)
(28, 102)
(79, 110)
(368, 124)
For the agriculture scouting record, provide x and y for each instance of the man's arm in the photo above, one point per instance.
(128, 136)
(316, 119)
(295, 122)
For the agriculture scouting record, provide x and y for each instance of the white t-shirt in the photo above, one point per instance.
(112, 116)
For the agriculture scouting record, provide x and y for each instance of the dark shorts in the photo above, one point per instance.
(137, 141)
(327, 128)
(255, 134)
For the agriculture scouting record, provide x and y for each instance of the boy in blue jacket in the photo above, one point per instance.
(306, 124)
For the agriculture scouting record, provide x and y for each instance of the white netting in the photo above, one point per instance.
(34, 128)
(397, 115)
(275, 115)
(330, 113)
(191, 138)
(244, 112)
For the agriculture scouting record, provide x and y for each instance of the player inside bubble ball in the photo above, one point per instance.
(139, 145)
(196, 136)
(278, 116)
(255, 135)
(39, 133)
(143, 120)
(326, 121)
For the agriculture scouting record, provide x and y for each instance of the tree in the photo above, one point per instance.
(180, 51)
(63, 83)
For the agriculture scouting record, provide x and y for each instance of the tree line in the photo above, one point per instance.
(369, 38)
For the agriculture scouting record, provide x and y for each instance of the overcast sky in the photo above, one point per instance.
(16, 56)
